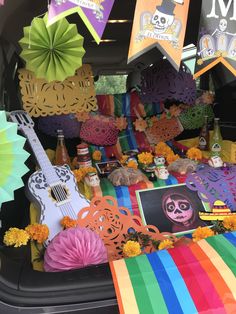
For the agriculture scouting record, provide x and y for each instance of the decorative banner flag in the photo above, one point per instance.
(94, 13)
(161, 24)
(217, 36)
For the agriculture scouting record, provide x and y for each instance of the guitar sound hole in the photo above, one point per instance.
(59, 193)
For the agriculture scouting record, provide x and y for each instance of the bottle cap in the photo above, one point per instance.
(60, 133)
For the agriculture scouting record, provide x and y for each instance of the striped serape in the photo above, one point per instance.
(199, 278)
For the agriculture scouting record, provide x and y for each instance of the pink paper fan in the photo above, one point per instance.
(74, 248)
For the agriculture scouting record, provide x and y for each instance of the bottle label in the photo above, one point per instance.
(202, 143)
(216, 148)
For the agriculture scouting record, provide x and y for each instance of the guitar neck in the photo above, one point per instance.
(41, 157)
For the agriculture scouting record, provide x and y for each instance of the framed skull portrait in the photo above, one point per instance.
(171, 208)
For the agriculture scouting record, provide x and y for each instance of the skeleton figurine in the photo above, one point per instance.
(163, 17)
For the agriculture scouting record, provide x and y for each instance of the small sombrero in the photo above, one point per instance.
(219, 211)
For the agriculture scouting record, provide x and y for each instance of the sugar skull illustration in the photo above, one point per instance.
(163, 17)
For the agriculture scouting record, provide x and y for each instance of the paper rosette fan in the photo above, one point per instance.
(74, 248)
(54, 52)
(12, 158)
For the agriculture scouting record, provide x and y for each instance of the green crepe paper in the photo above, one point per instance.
(54, 52)
(193, 118)
(12, 158)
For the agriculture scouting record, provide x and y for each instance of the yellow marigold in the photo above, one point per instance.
(38, 232)
(81, 172)
(97, 155)
(140, 125)
(68, 222)
(165, 244)
(16, 237)
(82, 116)
(199, 61)
(202, 233)
(121, 123)
(124, 159)
(194, 153)
(145, 158)
(230, 223)
(132, 164)
(132, 248)
(172, 157)
(163, 149)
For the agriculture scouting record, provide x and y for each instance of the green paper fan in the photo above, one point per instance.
(54, 52)
(12, 158)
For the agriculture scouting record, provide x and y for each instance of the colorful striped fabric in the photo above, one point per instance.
(199, 278)
(126, 195)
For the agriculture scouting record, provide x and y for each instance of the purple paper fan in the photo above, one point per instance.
(162, 82)
(66, 122)
(74, 248)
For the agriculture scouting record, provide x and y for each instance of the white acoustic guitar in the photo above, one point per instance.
(52, 188)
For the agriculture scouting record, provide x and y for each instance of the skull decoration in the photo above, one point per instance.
(159, 160)
(92, 179)
(223, 25)
(162, 173)
(161, 21)
(215, 162)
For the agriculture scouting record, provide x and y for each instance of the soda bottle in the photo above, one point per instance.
(216, 140)
(204, 136)
(62, 156)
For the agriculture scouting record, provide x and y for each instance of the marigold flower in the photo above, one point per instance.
(16, 237)
(97, 155)
(38, 232)
(145, 158)
(121, 123)
(81, 172)
(68, 222)
(165, 244)
(175, 111)
(82, 116)
(132, 248)
(140, 125)
(132, 164)
(172, 157)
(162, 149)
(124, 159)
(194, 153)
(202, 233)
(208, 98)
(230, 223)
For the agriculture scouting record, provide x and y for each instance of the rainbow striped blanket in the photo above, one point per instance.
(199, 278)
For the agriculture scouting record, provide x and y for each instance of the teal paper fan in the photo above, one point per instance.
(12, 158)
(54, 52)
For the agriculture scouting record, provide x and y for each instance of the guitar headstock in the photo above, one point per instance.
(22, 119)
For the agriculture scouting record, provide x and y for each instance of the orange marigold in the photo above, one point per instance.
(175, 111)
(194, 153)
(124, 159)
(230, 223)
(121, 123)
(82, 116)
(165, 244)
(162, 149)
(145, 158)
(38, 232)
(81, 172)
(97, 155)
(202, 233)
(68, 222)
(140, 125)
(132, 164)
(172, 157)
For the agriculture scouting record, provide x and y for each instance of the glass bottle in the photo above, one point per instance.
(62, 156)
(204, 136)
(83, 156)
(216, 140)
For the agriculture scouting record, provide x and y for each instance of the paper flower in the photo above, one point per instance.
(68, 222)
(202, 233)
(230, 223)
(140, 125)
(121, 123)
(74, 248)
(165, 244)
(145, 158)
(12, 158)
(82, 116)
(38, 232)
(162, 149)
(53, 52)
(172, 157)
(132, 164)
(97, 155)
(131, 249)
(16, 237)
(194, 153)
